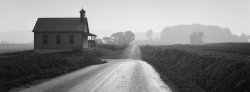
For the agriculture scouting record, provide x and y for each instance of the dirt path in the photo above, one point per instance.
(119, 75)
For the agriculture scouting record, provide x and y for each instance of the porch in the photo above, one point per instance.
(91, 38)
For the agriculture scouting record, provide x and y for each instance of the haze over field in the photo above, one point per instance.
(110, 16)
(141, 45)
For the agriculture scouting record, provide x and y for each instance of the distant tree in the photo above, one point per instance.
(121, 38)
(99, 41)
(4, 42)
(107, 40)
(200, 36)
(129, 36)
(118, 38)
(248, 36)
(243, 38)
(149, 34)
(192, 38)
(214, 34)
(196, 38)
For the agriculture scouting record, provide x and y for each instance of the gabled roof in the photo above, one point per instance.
(61, 25)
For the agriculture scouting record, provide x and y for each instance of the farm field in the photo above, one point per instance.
(12, 50)
(223, 48)
(25, 68)
(219, 67)
(5, 48)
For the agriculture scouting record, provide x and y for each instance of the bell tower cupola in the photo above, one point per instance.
(82, 15)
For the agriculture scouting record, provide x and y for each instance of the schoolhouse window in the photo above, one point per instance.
(45, 39)
(58, 39)
(71, 39)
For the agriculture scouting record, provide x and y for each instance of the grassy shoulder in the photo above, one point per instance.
(110, 51)
(25, 67)
(206, 68)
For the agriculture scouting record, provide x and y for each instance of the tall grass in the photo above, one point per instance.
(112, 46)
(193, 72)
(21, 68)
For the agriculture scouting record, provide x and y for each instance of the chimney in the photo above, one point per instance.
(82, 15)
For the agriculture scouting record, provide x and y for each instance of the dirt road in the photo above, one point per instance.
(119, 75)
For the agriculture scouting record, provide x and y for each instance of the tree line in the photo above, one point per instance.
(119, 38)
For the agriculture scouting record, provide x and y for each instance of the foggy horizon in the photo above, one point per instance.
(136, 15)
(124, 45)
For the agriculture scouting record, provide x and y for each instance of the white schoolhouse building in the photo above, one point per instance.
(62, 34)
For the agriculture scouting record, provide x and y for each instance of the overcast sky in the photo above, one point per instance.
(136, 15)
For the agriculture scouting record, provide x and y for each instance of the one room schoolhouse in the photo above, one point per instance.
(62, 34)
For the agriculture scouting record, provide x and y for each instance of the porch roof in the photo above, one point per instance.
(89, 34)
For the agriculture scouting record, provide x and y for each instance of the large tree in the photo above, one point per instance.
(129, 36)
(149, 34)
(99, 41)
(107, 40)
(196, 38)
(244, 37)
(117, 38)
(121, 38)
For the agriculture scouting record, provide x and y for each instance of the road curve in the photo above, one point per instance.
(119, 75)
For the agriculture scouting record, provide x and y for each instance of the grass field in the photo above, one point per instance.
(109, 51)
(221, 67)
(11, 50)
(5, 48)
(25, 67)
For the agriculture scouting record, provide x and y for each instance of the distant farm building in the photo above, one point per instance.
(63, 34)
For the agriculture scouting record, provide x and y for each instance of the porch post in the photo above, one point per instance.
(91, 40)
(95, 41)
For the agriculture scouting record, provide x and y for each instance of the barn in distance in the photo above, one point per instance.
(62, 34)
